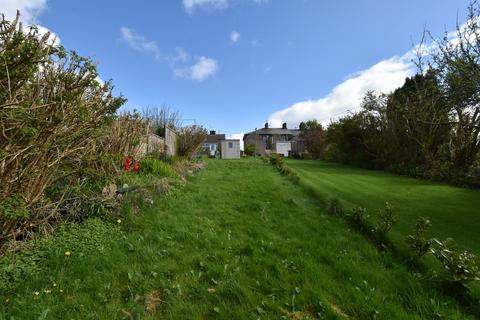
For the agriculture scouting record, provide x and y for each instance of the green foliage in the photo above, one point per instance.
(461, 266)
(278, 161)
(14, 207)
(92, 237)
(309, 126)
(335, 207)
(190, 139)
(54, 113)
(420, 242)
(157, 167)
(313, 137)
(359, 217)
(250, 150)
(386, 219)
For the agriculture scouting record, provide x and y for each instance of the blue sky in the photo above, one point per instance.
(233, 64)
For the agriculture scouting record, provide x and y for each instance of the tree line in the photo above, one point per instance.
(429, 127)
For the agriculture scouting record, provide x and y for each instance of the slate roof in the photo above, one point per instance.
(215, 138)
(274, 131)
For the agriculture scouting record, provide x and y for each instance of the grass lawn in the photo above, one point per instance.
(454, 212)
(238, 242)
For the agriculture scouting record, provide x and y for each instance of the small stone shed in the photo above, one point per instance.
(230, 149)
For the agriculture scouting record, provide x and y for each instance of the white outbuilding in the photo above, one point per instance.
(230, 149)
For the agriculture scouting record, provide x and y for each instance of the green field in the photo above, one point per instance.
(239, 241)
(454, 212)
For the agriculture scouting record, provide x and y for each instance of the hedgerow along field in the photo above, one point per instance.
(454, 212)
(239, 241)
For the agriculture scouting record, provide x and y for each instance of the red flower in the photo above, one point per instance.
(127, 163)
(136, 167)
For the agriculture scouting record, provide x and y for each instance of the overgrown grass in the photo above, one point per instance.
(238, 242)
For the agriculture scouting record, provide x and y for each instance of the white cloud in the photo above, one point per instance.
(203, 69)
(234, 36)
(30, 10)
(210, 5)
(384, 76)
(191, 5)
(140, 43)
(181, 56)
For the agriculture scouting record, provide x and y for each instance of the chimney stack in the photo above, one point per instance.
(284, 125)
(266, 125)
(212, 132)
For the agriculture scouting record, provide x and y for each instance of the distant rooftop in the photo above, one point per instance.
(213, 137)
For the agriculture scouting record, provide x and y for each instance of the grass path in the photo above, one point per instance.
(238, 242)
(454, 212)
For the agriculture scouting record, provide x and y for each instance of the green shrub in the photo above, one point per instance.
(419, 242)
(14, 207)
(386, 220)
(250, 150)
(461, 266)
(276, 159)
(334, 206)
(359, 217)
(158, 167)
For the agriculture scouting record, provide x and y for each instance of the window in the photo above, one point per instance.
(230, 145)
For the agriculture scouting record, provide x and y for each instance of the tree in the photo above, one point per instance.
(53, 109)
(162, 116)
(457, 66)
(189, 140)
(312, 134)
(417, 122)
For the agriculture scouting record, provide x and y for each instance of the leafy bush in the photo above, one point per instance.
(250, 150)
(54, 112)
(190, 139)
(461, 266)
(14, 207)
(334, 206)
(359, 217)
(419, 242)
(158, 167)
(386, 220)
(278, 161)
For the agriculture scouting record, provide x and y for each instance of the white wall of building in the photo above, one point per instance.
(282, 148)
(230, 149)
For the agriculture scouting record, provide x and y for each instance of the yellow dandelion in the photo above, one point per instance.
(36, 293)
(54, 284)
(67, 253)
(7, 300)
(119, 221)
(47, 291)
(61, 290)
